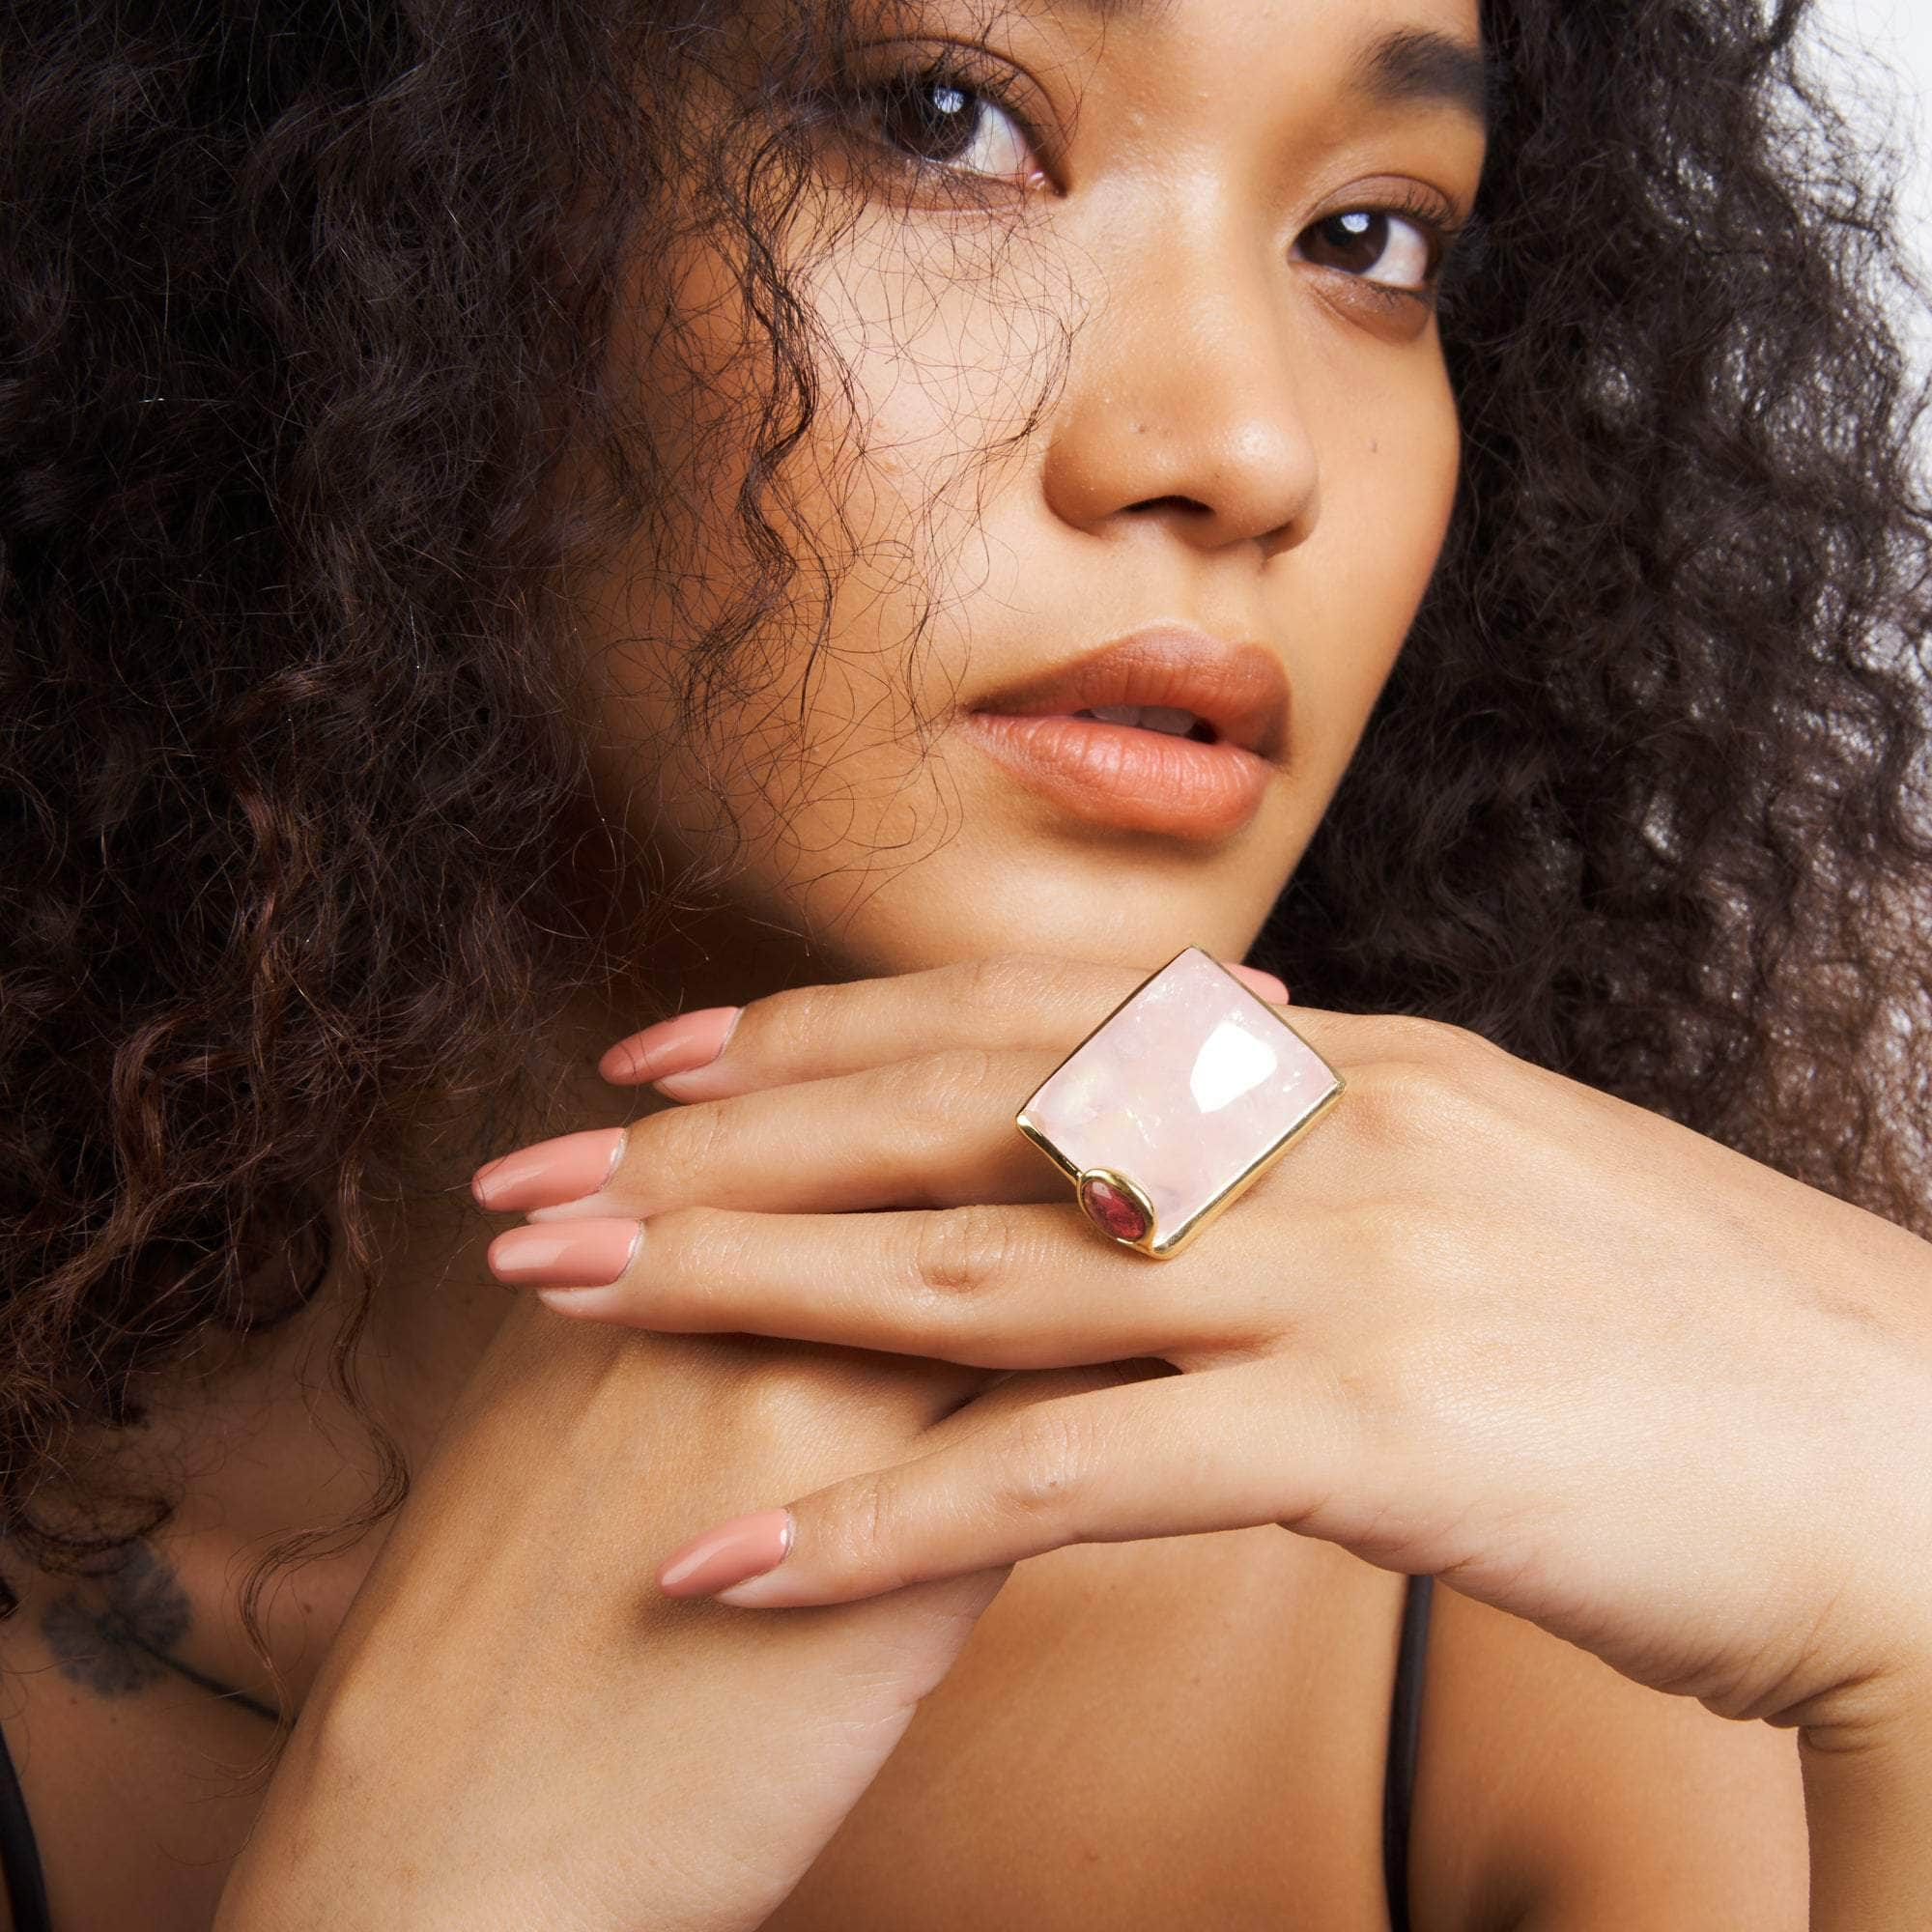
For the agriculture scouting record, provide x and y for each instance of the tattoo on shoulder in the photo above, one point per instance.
(118, 1644)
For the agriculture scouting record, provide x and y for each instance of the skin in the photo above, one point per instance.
(1244, 441)
(1490, 1325)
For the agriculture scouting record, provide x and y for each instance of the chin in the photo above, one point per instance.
(968, 865)
(1097, 902)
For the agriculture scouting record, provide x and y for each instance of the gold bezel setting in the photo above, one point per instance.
(1085, 1189)
(1164, 1243)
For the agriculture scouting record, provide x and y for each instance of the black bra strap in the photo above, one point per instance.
(1405, 1729)
(26, 1884)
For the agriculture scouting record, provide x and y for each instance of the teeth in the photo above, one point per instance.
(1149, 717)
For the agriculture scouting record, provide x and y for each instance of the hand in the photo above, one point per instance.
(1485, 1323)
(513, 1728)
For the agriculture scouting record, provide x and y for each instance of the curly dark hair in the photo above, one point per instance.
(305, 411)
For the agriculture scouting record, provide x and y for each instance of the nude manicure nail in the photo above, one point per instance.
(1266, 984)
(565, 1254)
(676, 1046)
(549, 1172)
(747, 1546)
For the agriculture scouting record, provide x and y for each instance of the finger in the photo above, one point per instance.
(927, 1132)
(810, 1032)
(1030, 1285)
(1001, 1397)
(927, 1113)
(1226, 1449)
(1007, 1396)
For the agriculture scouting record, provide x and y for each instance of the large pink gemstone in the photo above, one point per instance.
(1116, 1212)
(1185, 1088)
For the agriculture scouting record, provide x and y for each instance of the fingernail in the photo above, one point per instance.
(1263, 983)
(549, 1172)
(576, 1254)
(678, 1045)
(747, 1546)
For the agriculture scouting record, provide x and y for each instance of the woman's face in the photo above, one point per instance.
(1135, 350)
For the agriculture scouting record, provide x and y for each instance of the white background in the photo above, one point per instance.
(1878, 56)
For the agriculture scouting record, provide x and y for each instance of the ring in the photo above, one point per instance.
(1177, 1103)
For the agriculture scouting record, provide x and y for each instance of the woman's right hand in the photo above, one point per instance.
(514, 1728)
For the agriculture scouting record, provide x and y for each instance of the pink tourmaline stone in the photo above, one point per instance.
(1181, 1090)
(1116, 1212)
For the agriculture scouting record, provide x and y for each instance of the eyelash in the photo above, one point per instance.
(1453, 243)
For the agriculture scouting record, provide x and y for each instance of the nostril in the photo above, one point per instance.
(1192, 505)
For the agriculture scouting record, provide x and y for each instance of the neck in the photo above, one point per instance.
(266, 1451)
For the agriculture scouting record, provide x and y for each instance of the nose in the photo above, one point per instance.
(1184, 404)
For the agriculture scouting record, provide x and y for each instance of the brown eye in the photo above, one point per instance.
(1403, 251)
(934, 118)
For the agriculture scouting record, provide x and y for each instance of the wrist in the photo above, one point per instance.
(1867, 1775)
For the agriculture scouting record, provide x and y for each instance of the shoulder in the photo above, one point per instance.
(1555, 1795)
(133, 1795)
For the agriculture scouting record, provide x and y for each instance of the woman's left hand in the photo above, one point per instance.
(1483, 1323)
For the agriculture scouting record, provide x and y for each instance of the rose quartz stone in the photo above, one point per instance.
(1184, 1088)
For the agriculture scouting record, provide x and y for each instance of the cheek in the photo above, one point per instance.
(811, 761)
(808, 751)
(1389, 479)
(691, 591)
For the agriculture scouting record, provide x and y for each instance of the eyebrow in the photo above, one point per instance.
(1406, 64)
(1419, 64)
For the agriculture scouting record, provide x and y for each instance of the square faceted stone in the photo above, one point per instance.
(1188, 1091)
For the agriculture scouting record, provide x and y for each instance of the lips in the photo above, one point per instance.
(1134, 766)
(1237, 690)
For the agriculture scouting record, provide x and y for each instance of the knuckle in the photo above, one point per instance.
(877, 1533)
(1008, 983)
(1448, 1109)
(961, 1251)
(1377, 1102)
(1014, 998)
(937, 1088)
(792, 1024)
(871, 1535)
(783, 1399)
(1429, 1085)
(682, 1142)
(1406, 1373)
(1048, 1464)
(1372, 1389)
(1398, 1396)
(1411, 1040)
(1410, 1237)
(685, 1249)
(935, 1103)
(1473, 1059)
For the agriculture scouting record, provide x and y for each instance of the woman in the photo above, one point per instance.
(526, 527)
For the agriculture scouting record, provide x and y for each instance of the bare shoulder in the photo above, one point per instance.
(1552, 1793)
(1179, 1734)
(133, 1781)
